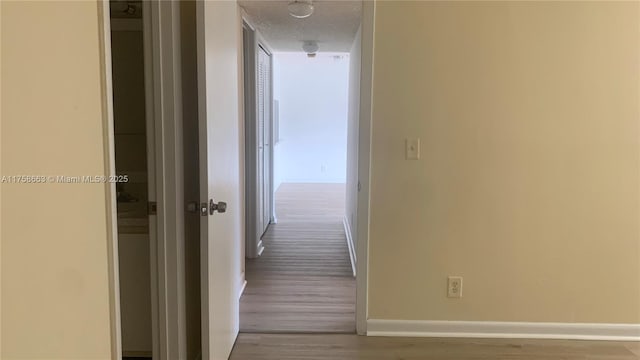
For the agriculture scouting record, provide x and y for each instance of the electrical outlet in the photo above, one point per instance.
(412, 149)
(454, 286)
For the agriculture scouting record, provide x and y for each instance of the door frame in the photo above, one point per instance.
(161, 38)
(364, 165)
(104, 28)
(163, 49)
(254, 248)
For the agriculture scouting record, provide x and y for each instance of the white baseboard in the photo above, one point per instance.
(243, 285)
(352, 249)
(260, 247)
(512, 330)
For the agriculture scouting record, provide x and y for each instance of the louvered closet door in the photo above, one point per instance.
(264, 143)
(267, 139)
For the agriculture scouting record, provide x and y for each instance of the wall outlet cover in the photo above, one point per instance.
(412, 148)
(454, 286)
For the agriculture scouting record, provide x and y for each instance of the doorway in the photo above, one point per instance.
(159, 312)
(300, 267)
(130, 141)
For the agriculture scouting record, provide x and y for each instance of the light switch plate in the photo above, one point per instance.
(412, 148)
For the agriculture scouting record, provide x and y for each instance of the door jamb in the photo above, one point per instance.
(164, 124)
(364, 165)
(364, 159)
(104, 28)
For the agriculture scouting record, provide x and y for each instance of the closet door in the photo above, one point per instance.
(264, 139)
(260, 158)
(267, 139)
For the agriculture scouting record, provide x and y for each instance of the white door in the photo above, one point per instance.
(265, 58)
(262, 225)
(218, 42)
(264, 138)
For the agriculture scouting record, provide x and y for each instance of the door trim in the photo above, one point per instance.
(364, 160)
(364, 166)
(165, 128)
(104, 28)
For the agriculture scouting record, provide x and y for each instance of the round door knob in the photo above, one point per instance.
(220, 207)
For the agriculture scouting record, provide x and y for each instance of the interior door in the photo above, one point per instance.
(264, 138)
(262, 225)
(218, 42)
(265, 61)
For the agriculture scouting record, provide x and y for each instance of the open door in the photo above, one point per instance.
(218, 47)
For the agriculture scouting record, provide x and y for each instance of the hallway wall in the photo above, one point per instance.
(528, 181)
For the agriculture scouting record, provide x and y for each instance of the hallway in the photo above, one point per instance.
(303, 281)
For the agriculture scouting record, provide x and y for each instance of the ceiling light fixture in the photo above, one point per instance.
(310, 47)
(300, 8)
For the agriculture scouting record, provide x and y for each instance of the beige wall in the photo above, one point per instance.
(55, 293)
(528, 184)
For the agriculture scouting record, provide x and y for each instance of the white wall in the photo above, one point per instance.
(313, 96)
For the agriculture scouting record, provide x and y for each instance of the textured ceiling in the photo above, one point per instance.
(333, 24)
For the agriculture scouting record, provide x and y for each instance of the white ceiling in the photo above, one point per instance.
(333, 24)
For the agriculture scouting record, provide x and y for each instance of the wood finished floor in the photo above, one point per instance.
(353, 347)
(303, 281)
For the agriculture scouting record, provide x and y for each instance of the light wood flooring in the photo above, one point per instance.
(303, 281)
(353, 347)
